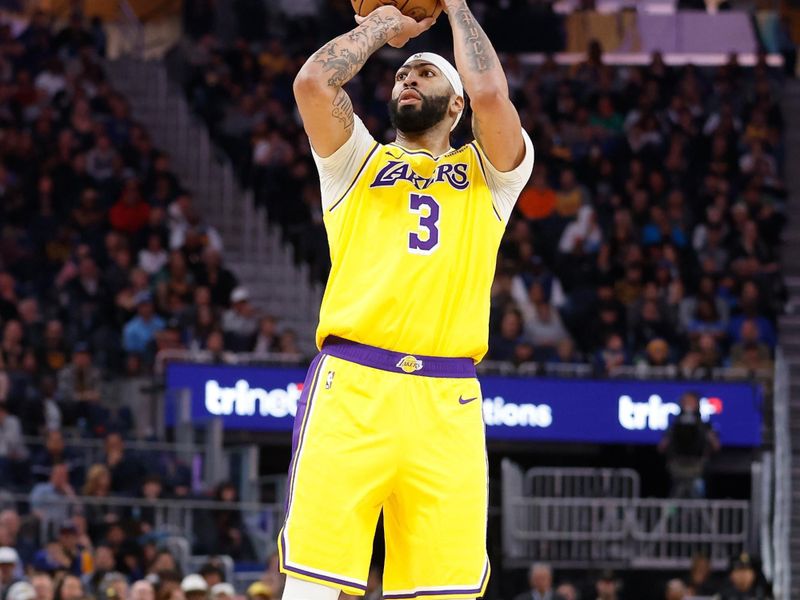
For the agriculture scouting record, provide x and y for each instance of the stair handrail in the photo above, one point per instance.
(131, 20)
(781, 524)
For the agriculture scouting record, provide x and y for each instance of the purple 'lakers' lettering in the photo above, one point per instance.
(396, 171)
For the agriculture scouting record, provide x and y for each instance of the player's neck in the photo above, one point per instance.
(433, 140)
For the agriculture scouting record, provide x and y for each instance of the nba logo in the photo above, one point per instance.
(329, 380)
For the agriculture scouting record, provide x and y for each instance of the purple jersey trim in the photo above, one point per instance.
(326, 578)
(355, 179)
(474, 592)
(387, 360)
(483, 170)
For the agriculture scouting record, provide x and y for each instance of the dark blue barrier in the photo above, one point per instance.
(515, 408)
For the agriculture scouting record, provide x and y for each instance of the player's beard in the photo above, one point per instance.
(415, 119)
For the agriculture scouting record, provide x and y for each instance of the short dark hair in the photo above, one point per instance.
(210, 568)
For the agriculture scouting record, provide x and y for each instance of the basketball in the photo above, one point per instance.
(416, 9)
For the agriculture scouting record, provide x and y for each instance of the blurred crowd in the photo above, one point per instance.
(650, 230)
(744, 581)
(105, 260)
(70, 568)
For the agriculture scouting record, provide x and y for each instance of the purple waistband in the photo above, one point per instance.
(398, 362)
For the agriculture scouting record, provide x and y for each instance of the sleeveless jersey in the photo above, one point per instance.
(413, 244)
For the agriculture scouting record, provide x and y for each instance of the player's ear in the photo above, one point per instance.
(457, 104)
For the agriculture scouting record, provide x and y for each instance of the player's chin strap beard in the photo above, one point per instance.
(411, 119)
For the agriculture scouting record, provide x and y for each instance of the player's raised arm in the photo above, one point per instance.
(325, 107)
(495, 121)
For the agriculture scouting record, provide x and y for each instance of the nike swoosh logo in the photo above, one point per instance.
(462, 400)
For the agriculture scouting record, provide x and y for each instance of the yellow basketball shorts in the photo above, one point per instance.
(378, 430)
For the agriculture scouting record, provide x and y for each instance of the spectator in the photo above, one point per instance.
(607, 586)
(8, 565)
(69, 588)
(131, 213)
(239, 322)
(98, 515)
(540, 580)
(126, 471)
(568, 591)
(21, 590)
(12, 447)
(744, 581)
(259, 591)
(227, 534)
(54, 451)
(103, 563)
(144, 590)
(140, 331)
(79, 381)
(699, 581)
(212, 573)
(676, 590)
(267, 337)
(43, 584)
(153, 258)
(194, 587)
(688, 444)
(503, 346)
(222, 591)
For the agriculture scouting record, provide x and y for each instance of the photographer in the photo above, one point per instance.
(688, 443)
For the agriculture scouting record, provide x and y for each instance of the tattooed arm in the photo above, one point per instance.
(325, 107)
(495, 121)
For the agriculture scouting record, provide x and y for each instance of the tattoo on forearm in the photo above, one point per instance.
(344, 56)
(343, 110)
(478, 48)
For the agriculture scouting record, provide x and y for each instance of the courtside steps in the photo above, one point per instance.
(254, 249)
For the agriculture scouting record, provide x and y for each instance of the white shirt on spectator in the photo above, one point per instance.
(11, 443)
(152, 262)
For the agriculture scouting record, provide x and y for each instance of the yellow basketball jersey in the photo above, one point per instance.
(413, 246)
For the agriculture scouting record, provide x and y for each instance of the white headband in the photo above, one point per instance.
(447, 69)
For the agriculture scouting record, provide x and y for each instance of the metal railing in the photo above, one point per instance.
(617, 532)
(546, 482)
(188, 518)
(782, 509)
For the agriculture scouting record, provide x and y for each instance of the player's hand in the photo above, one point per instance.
(410, 27)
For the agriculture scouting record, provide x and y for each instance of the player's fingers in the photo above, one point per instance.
(426, 23)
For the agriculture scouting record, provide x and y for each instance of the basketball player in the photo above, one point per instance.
(391, 413)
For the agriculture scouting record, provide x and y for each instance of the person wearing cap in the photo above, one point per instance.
(414, 228)
(259, 591)
(140, 331)
(194, 587)
(8, 566)
(745, 581)
(222, 591)
(239, 322)
(540, 582)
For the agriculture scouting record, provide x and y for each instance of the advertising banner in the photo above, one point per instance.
(515, 408)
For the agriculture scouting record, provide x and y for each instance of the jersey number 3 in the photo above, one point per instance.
(426, 238)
